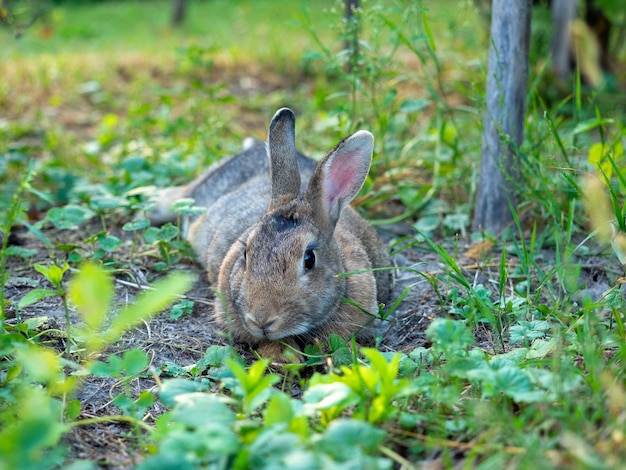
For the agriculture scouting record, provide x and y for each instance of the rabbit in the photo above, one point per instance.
(277, 233)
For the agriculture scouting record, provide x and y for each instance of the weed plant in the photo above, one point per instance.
(523, 366)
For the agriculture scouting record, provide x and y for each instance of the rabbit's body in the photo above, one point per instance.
(277, 233)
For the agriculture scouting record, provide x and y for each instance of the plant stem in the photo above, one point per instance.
(112, 419)
(66, 310)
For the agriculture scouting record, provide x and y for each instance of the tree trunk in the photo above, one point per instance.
(179, 8)
(503, 121)
(563, 13)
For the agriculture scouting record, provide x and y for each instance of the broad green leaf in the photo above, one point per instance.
(597, 158)
(101, 203)
(168, 232)
(182, 204)
(136, 225)
(69, 217)
(450, 335)
(108, 242)
(145, 399)
(276, 447)
(91, 291)
(35, 322)
(52, 273)
(15, 250)
(151, 235)
(111, 369)
(256, 386)
(388, 371)
(336, 342)
(198, 410)
(279, 410)
(215, 355)
(413, 105)
(344, 434)
(35, 296)
(31, 441)
(172, 388)
(541, 348)
(55, 274)
(184, 307)
(325, 396)
(42, 364)
(134, 361)
(73, 409)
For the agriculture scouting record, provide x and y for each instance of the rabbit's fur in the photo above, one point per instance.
(277, 232)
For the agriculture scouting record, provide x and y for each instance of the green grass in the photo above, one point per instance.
(236, 27)
(523, 366)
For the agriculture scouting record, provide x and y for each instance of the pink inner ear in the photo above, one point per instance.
(341, 179)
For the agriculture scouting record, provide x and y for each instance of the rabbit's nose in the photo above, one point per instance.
(267, 326)
(260, 327)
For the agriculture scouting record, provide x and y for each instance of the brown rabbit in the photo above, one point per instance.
(277, 233)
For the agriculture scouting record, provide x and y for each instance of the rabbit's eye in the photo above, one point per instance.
(309, 260)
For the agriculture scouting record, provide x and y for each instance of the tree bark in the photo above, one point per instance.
(563, 13)
(179, 8)
(503, 121)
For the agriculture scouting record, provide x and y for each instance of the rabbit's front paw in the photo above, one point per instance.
(279, 352)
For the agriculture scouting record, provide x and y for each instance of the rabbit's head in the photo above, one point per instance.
(281, 278)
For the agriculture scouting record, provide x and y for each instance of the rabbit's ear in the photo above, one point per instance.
(340, 176)
(281, 149)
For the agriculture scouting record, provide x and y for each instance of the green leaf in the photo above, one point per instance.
(279, 410)
(413, 105)
(73, 409)
(32, 440)
(345, 434)
(91, 290)
(184, 307)
(35, 296)
(326, 396)
(254, 383)
(168, 232)
(108, 242)
(388, 371)
(145, 399)
(275, 447)
(124, 403)
(69, 217)
(182, 204)
(34, 323)
(42, 364)
(101, 203)
(21, 252)
(149, 303)
(134, 361)
(450, 336)
(215, 356)
(111, 369)
(151, 235)
(197, 410)
(172, 388)
(136, 225)
(336, 342)
(53, 273)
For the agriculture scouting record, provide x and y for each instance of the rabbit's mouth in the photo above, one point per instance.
(273, 327)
